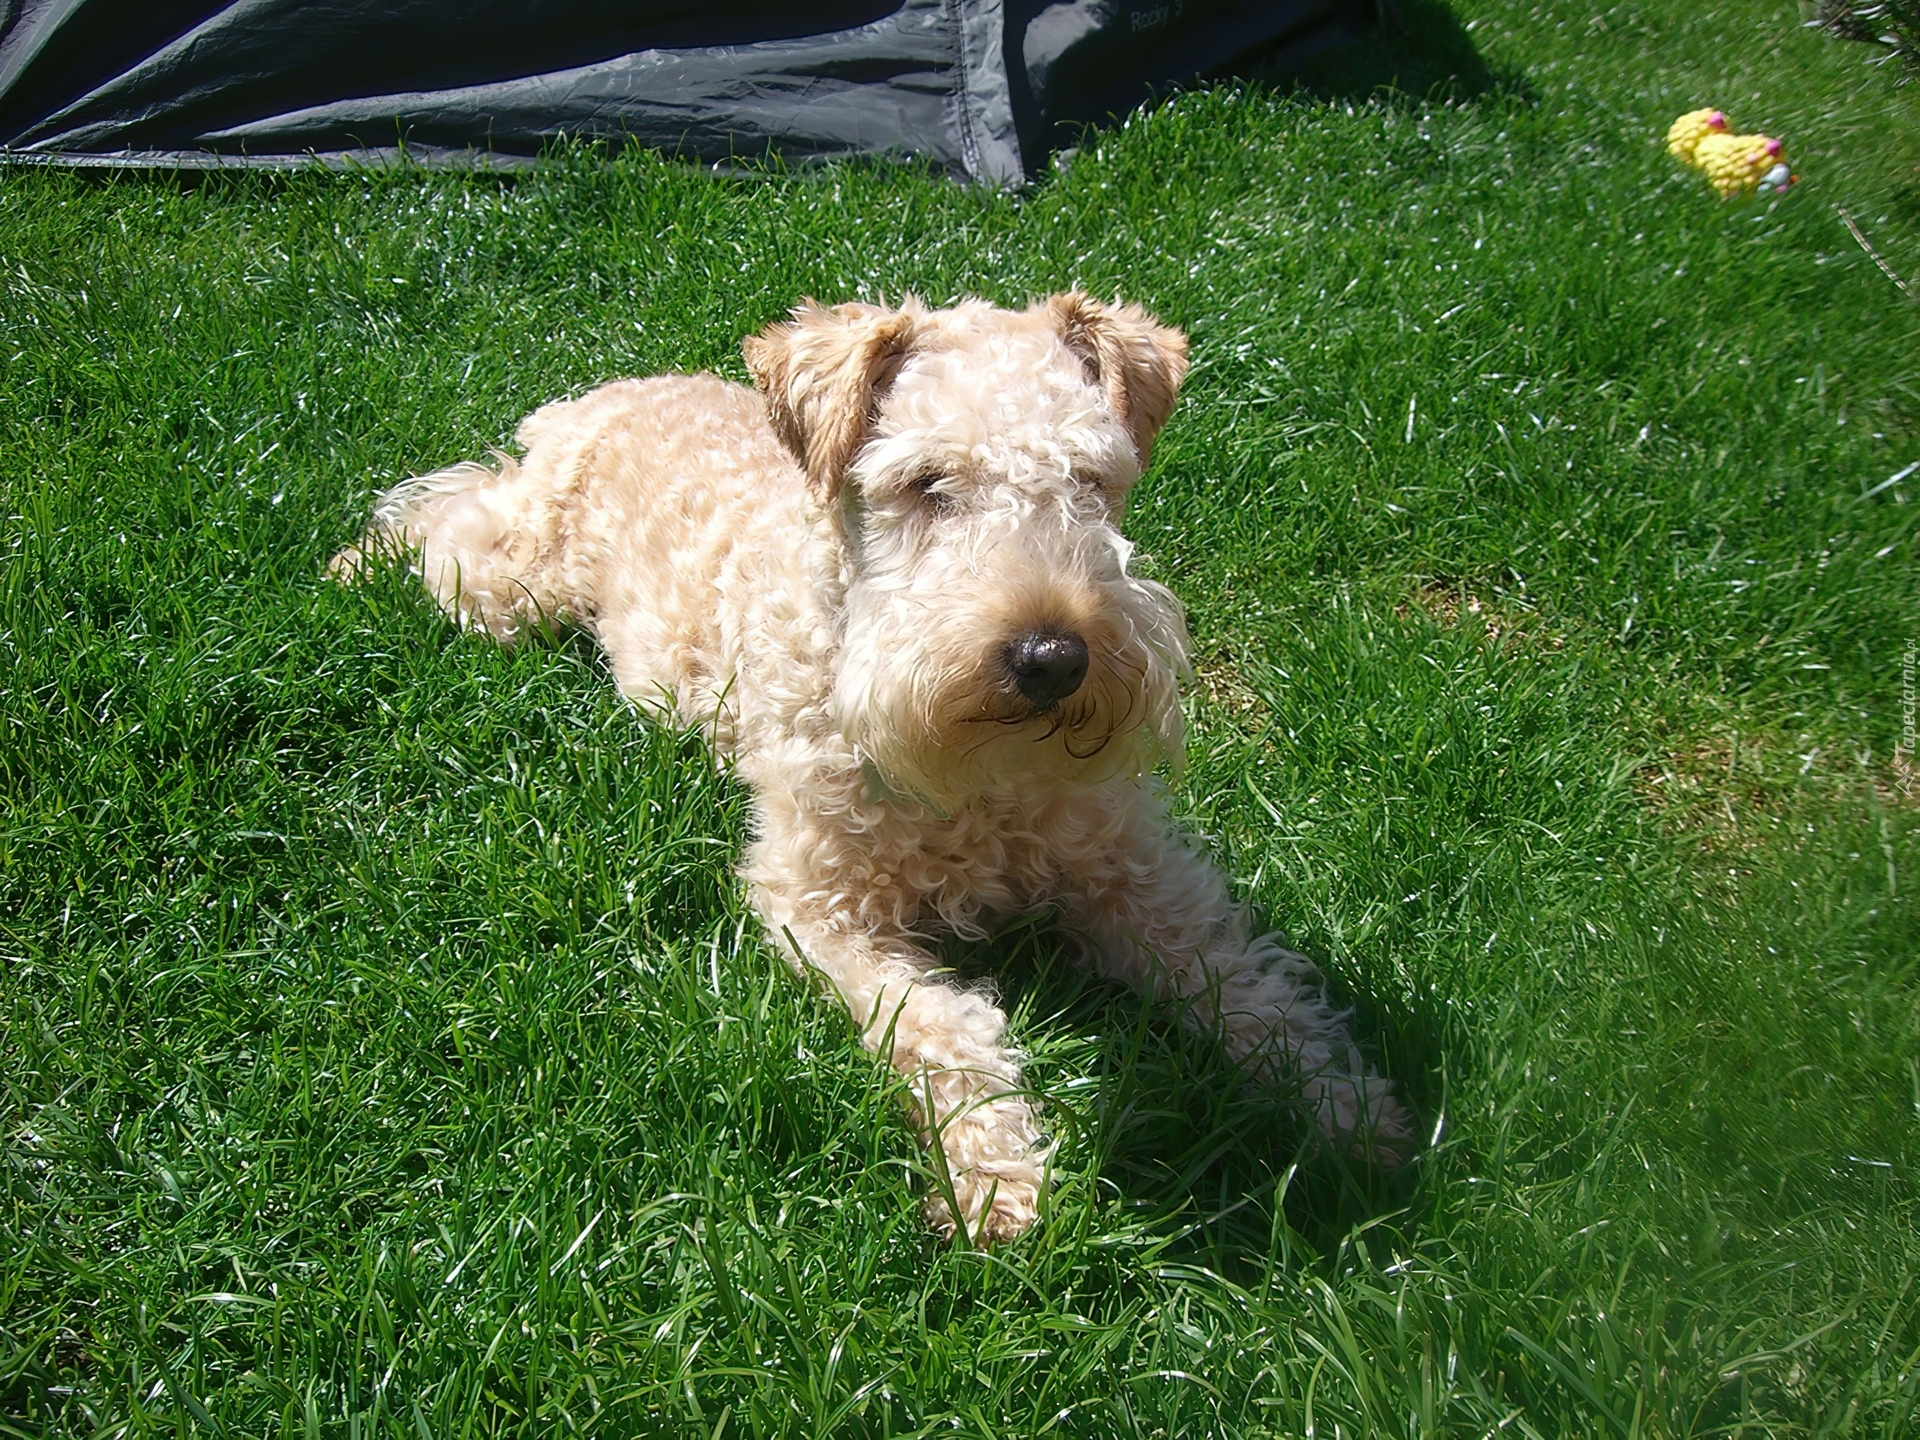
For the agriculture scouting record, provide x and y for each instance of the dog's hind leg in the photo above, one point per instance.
(484, 541)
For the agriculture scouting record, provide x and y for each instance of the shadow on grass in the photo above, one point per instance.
(1152, 1110)
(1416, 51)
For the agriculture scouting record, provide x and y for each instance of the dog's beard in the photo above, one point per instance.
(924, 694)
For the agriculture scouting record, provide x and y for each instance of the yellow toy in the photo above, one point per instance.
(1733, 163)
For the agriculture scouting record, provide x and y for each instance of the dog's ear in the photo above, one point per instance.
(821, 372)
(1138, 361)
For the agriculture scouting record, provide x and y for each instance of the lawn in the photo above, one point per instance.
(386, 1050)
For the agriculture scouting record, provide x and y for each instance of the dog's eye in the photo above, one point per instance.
(927, 486)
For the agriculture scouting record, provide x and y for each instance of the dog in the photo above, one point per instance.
(890, 583)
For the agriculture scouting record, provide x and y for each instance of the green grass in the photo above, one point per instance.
(386, 1050)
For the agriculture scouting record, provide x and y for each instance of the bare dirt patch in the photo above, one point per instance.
(1728, 786)
(1217, 678)
(1502, 616)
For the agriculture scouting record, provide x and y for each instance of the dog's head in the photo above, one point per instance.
(975, 463)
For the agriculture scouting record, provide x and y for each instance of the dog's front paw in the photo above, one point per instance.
(349, 566)
(1362, 1117)
(993, 1164)
(993, 1207)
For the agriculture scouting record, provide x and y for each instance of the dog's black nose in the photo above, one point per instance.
(1047, 668)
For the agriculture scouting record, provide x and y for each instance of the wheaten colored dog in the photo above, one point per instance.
(893, 587)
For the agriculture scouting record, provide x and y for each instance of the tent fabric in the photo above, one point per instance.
(981, 89)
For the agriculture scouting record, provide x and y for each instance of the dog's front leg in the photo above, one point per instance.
(974, 1117)
(1158, 916)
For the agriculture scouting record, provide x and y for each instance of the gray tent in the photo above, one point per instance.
(981, 89)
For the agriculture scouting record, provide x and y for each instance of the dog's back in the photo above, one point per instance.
(625, 510)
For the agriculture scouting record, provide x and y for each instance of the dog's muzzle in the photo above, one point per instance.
(1047, 668)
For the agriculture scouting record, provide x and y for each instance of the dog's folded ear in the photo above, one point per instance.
(1138, 361)
(821, 371)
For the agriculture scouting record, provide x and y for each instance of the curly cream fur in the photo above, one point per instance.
(829, 575)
